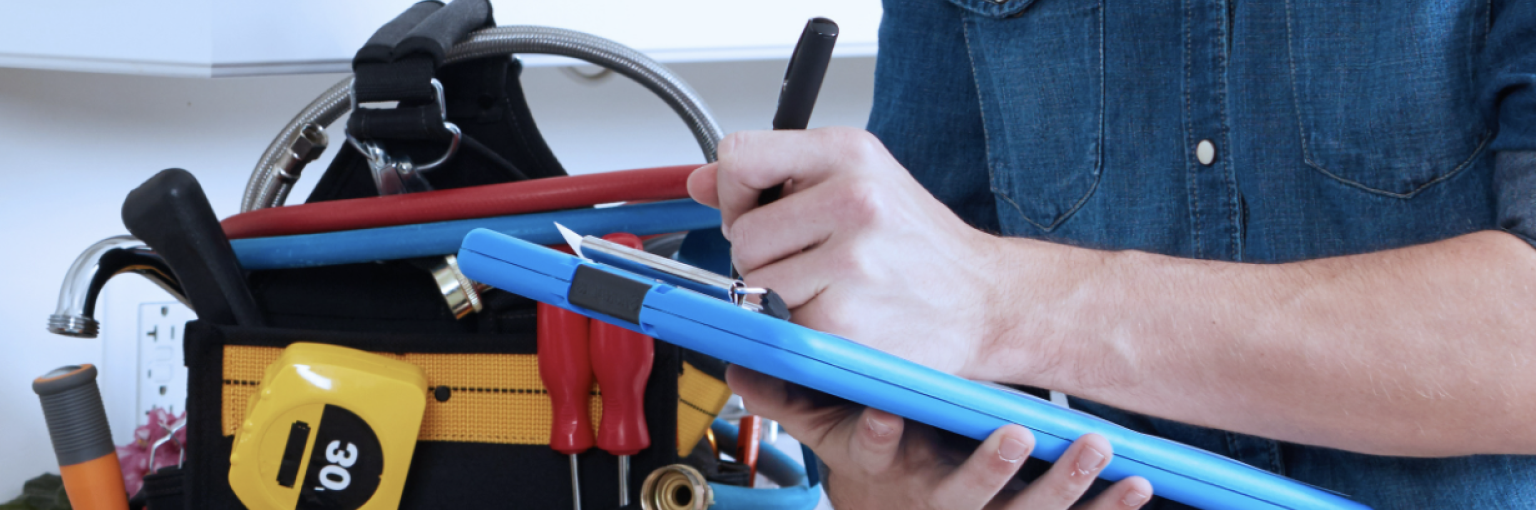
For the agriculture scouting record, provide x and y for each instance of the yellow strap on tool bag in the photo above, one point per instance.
(496, 398)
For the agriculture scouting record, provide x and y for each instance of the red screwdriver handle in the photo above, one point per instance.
(567, 374)
(622, 361)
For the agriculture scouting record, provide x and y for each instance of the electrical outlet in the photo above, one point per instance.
(162, 377)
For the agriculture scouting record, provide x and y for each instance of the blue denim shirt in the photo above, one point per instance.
(1334, 128)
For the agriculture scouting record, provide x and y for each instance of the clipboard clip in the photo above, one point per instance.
(675, 273)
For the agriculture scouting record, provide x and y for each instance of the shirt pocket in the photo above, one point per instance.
(1385, 94)
(1039, 70)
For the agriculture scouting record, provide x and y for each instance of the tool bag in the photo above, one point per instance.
(484, 438)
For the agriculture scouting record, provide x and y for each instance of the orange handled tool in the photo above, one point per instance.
(622, 361)
(567, 375)
(77, 424)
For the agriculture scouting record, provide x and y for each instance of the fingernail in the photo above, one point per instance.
(1012, 450)
(1134, 499)
(1089, 460)
(880, 428)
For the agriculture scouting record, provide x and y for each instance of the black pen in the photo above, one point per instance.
(797, 97)
(802, 83)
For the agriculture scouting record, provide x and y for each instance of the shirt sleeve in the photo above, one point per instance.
(1509, 99)
(1514, 179)
(1509, 86)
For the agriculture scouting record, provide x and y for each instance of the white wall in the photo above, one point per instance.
(72, 145)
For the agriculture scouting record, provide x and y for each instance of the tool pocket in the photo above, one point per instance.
(1385, 98)
(485, 435)
(1039, 67)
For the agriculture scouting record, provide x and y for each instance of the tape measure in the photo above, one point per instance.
(330, 428)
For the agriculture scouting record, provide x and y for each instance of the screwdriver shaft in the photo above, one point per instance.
(575, 483)
(623, 481)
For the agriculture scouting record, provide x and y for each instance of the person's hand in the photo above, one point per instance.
(876, 461)
(856, 247)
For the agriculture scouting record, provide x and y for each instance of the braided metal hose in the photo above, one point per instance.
(270, 183)
(269, 186)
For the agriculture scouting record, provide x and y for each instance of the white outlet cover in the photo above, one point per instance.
(161, 376)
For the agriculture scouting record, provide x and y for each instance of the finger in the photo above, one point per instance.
(987, 470)
(770, 398)
(781, 229)
(701, 185)
(1128, 494)
(1065, 482)
(752, 161)
(797, 280)
(767, 396)
(876, 441)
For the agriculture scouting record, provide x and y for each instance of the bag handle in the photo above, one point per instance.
(281, 163)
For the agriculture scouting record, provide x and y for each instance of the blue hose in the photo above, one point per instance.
(794, 494)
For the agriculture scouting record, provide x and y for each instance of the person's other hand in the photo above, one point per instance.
(856, 247)
(875, 461)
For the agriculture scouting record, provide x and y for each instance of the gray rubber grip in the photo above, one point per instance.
(77, 422)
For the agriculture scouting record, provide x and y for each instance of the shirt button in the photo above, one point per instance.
(1205, 151)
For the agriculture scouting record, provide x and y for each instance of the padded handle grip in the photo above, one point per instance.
(381, 45)
(77, 422)
(170, 213)
(449, 25)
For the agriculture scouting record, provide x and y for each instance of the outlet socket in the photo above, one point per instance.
(162, 376)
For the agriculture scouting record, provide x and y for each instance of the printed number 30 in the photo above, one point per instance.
(335, 476)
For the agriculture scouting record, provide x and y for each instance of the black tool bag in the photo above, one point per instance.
(484, 440)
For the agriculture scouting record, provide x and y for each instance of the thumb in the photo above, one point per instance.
(701, 185)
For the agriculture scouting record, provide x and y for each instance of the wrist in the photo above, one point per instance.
(1051, 316)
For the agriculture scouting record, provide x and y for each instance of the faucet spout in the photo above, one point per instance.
(75, 314)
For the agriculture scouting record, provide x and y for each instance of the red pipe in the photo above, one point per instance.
(538, 195)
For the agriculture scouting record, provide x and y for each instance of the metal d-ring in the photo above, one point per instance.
(375, 152)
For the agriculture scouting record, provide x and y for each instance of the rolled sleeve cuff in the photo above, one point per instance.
(1514, 179)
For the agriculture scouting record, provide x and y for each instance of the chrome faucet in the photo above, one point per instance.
(91, 271)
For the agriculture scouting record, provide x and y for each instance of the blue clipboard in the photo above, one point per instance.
(861, 374)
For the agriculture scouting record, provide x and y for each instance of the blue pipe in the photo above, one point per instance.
(443, 238)
(773, 463)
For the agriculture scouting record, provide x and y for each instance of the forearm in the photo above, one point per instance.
(1425, 350)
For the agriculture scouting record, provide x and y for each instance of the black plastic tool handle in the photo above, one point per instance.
(170, 213)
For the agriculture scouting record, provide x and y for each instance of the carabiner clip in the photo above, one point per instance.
(393, 175)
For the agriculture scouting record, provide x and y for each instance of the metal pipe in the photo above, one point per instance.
(75, 314)
(268, 187)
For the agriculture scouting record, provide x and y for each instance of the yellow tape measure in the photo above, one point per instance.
(330, 428)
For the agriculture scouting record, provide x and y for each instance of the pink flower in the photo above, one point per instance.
(134, 456)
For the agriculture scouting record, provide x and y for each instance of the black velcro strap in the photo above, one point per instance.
(405, 123)
(449, 25)
(407, 81)
(381, 46)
